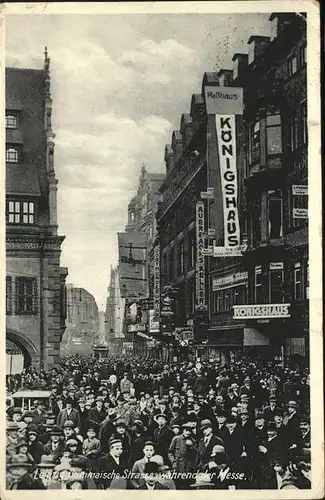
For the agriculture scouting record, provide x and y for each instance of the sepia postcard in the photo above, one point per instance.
(162, 249)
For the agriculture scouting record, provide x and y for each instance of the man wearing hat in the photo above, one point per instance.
(91, 443)
(44, 430)
(69, 433)
(206, 443)
(84, 413)
(203, 481)
(80, 465)
(97, 414)
(107, 429)
(17, 417)
(182, 453)
(175, 415)
(70, 414)
(20, 478)
(139, 466)
(232, 441)
(38, 413)
(150, 476)
(162, 436)
(45, 469)
(111, 463)
(221, 424)
(55, 446)
(12, 435)
(139, 436)
(120, 432)
(272, 452)
(219, 468)
(270, 410)
(292, 427)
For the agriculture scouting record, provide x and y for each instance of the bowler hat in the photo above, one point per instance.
(68, 424)
(56, 431)
(293, 404)
(206, 423)
(162, 415)
(139, 426)
(21, 442)
(79, 461)
(28, 414)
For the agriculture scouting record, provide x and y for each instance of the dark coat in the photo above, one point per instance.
(63, 417)
(28, 483)
(233, 445)
(57, 453)
(292, 430)
(157, 486)
(36, 449)
(182, 456)
(275, 453)
(162, 439)
(108, 465)
(96, 416)
(204, 452)
(106, 430)
(83, 420)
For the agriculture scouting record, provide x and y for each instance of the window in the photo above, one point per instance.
(304, 125)
(20, 212)
(303, 55)
(275, 214)
(192, 249)
(276, 279)
(299, 214)
(258, 285)
(181, 257)
(8, 295)
(255, 141)
(26, 296)
(292, 66)
(294, 131)
(11, 121)
(256, 221)
(273, 133)
(12, 155)
(307, 283)
(171, 265)
(225, 299)
(297, 282)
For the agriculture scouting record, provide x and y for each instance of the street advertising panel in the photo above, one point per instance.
(261, 311)
(225, 103)
(201, 304)
(153, 324)
(156, 285)
(132, 248)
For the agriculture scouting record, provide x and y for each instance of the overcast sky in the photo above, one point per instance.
(119, 86)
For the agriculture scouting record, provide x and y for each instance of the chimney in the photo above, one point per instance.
(240, 62)
(279, 21)
(225, 77)
(257, 45)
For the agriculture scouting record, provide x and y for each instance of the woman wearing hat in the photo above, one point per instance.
(22, 449)
(35, 447)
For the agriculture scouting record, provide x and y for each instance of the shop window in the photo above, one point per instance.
(258, 285)
(12, 155)
(8, 295)
(275, 214)
(26, 296)
(297, 293)
(11, 121)
(276, 280)
(20, 212)
(273, 133)
(292, 66)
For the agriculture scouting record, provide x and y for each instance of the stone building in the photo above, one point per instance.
(83, 328)
(35, 282)
(114, 314)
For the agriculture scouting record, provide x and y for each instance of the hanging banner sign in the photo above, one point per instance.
(133, 276)
(156, 284)
(153, 325)
(224, 103)
(200, 270)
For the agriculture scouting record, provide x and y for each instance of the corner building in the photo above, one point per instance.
(35, 282)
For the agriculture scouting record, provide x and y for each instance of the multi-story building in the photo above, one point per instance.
(142, 220)
(114, 314)
(35, 282)
(275, 114)
(271, 161)
(83, 329)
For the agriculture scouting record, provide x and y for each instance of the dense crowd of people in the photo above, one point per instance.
(137, 423)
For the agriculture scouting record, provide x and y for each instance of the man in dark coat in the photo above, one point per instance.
(232, 441)
(292, 428)
(271, 453)
(162, 437)
(107, 429)
(68, 413)
(97, 414)
(83, 412)
(55, 446)
(271, 409)
(20, 477)
(138, 438)
(111, 463)
(206, 443)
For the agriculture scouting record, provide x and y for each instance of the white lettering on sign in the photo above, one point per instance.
(224, 100)
(156, 284)
(226, 134)
(200, 267)
(300, 213)
(274, 266)
(259, 311)
(230, 280)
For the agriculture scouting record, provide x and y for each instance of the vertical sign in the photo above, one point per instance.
(224, 103)
(156, 283)
(200, 270)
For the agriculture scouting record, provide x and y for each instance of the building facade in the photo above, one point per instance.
(83, 328)
(35, 282)
(114, 314)
(259, 299)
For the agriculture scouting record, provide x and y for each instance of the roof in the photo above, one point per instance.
(22, 179)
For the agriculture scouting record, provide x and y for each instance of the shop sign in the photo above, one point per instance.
(299, 190)
(153, 325)
(156, 284)
(260, 311)
(300, 213)
(276, 266)
(200, 269)
(231, 280)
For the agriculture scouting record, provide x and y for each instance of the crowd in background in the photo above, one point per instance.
(136, 423)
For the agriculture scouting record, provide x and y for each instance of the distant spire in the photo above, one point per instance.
(47, 73)
(143, 169)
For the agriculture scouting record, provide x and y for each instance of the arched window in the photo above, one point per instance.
(12, 155)
(11, 121)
